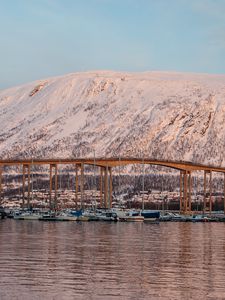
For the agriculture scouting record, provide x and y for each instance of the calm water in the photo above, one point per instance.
(94, 260)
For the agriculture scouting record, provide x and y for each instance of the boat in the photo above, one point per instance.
(106, 215)
(27, 216)
(65, 217)
(88, 215)
(180, 218)
(134, 218)
(200, 218)
(130, 216)
(150, 215)
(79, 215)
(83, 218)
(48, 216)
(166, 217)
(2, 213)
(14, 214)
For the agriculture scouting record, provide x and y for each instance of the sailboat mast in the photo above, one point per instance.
(143, 183)
(95, 187)
(32, 186)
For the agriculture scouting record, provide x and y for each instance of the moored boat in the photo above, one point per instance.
(25, 215)
(150, 215)
(130, 216)
(65, 217)
(2, 213)
(203, 218)
(83, 218)
(106, 216)
(49, 216)
(134, 218)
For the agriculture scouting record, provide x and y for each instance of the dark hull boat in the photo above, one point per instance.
(150, 215)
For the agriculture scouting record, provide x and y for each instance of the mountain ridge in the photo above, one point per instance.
(162, 115)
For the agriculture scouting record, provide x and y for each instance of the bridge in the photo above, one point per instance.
(105, 165)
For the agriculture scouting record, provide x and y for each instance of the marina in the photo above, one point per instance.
(110, 215)
(102, 195)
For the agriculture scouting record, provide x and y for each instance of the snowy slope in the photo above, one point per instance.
(161, 114)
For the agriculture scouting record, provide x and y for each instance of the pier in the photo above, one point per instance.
(105, 166)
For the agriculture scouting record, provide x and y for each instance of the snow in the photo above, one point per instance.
(163, 115)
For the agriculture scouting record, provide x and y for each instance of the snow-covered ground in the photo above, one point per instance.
(160, 115)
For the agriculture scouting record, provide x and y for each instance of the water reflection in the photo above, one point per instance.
(111, 261)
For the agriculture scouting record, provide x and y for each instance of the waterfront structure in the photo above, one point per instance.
(105, 165)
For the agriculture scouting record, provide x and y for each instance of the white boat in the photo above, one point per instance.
(65, 217)
(52, 216)
(27, 216)
(129, 216)
(200, 218)
(106, 216)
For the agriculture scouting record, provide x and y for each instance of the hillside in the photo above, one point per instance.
(161, 115)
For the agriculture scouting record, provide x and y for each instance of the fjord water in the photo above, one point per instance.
(96, 260)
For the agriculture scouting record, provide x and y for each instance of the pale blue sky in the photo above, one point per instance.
(44, 38)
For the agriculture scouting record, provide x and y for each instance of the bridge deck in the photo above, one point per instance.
(114, 162)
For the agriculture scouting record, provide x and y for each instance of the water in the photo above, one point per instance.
(93, 260)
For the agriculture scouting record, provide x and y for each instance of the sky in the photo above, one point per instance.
(45, 38)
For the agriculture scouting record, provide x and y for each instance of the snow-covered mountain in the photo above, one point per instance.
(162, 115)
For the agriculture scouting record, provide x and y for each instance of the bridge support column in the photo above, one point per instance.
(185, 191)
(106, 187)
(224, 193)
(51, 205)
(204, 204)
(189, 191)
(82, 185)
(76, 185)
(26, 171)
(101, 185)
(56, 186)
(210, 192)
(28, 196)
(50, 188)
(1, 184)
(110, 188)
(207, 204)
(79, 185)
(181, 193)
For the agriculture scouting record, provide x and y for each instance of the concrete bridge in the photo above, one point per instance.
(105, 165)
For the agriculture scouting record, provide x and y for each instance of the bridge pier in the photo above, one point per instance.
(106, 188)
(224, 193)
(53, 206)
(107, 173)
(26, 171)
(185, 191)
(76, 184)
(1, 184)
(207, 206)
(110, 187)
(189, 191)
(101, 185)
(181, 192)
(79, 184)
(82, 185)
